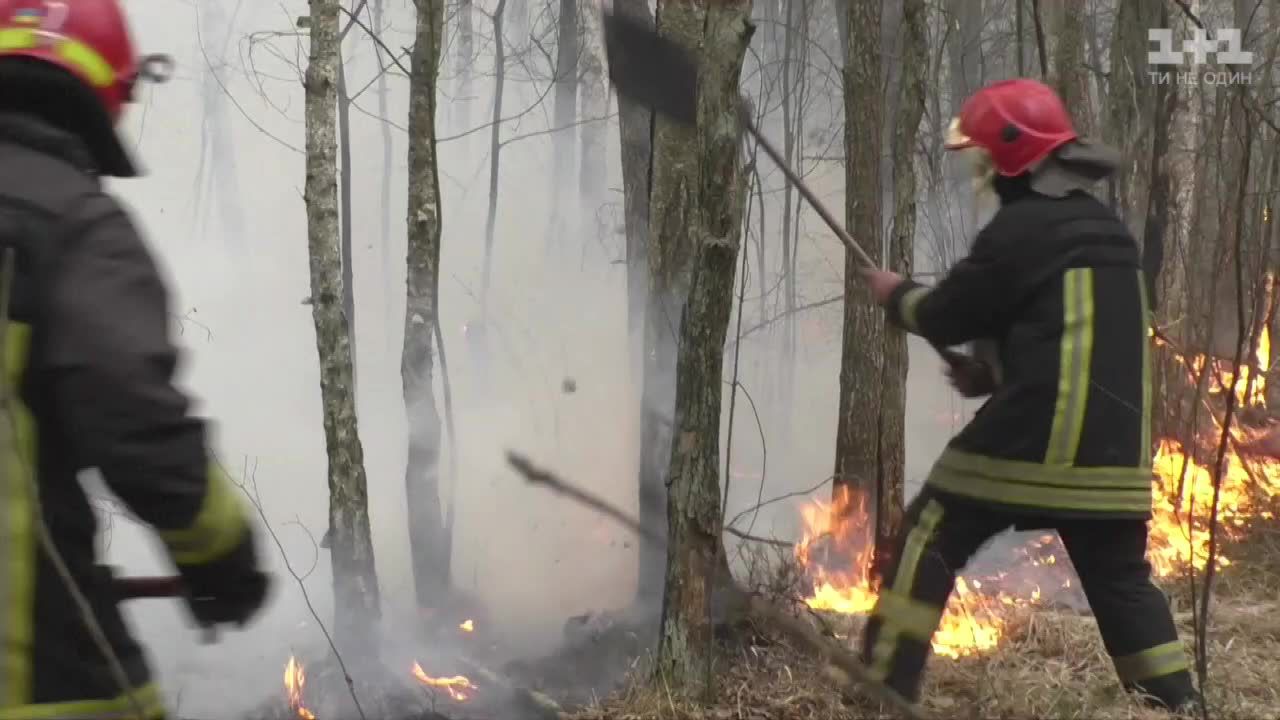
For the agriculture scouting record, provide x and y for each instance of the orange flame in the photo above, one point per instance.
(1183, 502)
(972, 621)
(454, 686)
(294, 680)
(835, 551)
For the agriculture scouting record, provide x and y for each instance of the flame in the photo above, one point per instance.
(835, 551)
(467, 626)
(1250, 383)
(973, 620)
(454, 686)
(294, 680)
(1183, 501)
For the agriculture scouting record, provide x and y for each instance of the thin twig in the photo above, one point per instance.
(796, 629)
(256, 501)
(757, 539)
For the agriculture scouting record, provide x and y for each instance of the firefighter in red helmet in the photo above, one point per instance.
(88, 382)
(1054, 283)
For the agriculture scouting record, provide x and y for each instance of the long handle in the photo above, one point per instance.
(950, 356)
(138, 588)
(135, 588)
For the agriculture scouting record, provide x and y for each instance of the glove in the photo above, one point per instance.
(972, 378)
(230, 590)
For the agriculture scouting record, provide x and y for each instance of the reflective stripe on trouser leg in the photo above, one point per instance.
(119, 708)
(17, 531)
(896, 613)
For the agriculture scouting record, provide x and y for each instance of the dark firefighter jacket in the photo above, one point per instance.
(88, 356)
(1058, 285)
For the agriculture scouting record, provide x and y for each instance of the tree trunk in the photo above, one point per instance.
(1069, 76)
(1130, 113)
(697, 211)
(964, 55)
(344, 212)
(914, 68)
(217, 194)
(565, 132)
(355, 579)
(384, 192)
(635, 135)
(428, 542)
(592, 175)
(466, 55)
(495, 156)
(860, 470)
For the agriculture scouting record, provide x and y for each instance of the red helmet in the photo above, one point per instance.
(88, 38)
(1017, 122)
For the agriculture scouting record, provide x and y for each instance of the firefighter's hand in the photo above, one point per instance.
(230, 589)
(232, 599)
(882, 283)
(971, 378)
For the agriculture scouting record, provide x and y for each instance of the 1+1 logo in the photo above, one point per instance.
(1224, 47)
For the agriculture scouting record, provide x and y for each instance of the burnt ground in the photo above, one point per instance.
(1050, 663)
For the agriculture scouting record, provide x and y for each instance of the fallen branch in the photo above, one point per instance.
(532, 703)
(797, 630)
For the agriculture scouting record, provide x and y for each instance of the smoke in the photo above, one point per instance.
(523, 559)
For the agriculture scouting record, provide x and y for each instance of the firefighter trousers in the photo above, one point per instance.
(939, 535)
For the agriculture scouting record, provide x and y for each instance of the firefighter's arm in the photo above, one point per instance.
(966, 305)
(111, 363)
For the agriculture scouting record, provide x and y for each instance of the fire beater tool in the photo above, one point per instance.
(793, 627)
(657, 72)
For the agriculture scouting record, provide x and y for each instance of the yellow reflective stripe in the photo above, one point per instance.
(1076, 350)
(1030, 473)
(17, 530)
(1011, 482)
(120, 708)
(904, 579)
(1151, 663)
(1145, 452)
(217, 529)
(916, 619)
(83, 57)
(909, 304)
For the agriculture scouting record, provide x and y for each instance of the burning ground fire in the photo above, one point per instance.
(458, 688)
(836, 558)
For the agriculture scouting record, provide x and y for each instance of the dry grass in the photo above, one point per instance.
(1050, 664)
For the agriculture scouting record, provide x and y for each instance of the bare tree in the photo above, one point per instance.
(697, 215)
(384, 191)
(466, 55)
(429, 540)
(355, 579)
(635, 130)
(914, 67)
(594, 99)
(868, 456)
(217, 185)
(495, 155)
(564, 140)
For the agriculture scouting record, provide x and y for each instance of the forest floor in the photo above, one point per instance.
(1048, 664)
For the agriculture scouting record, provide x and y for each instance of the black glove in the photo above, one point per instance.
(971, 377)
(229, 590)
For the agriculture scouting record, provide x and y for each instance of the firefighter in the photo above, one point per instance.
(89, 383)
(1054, 282)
